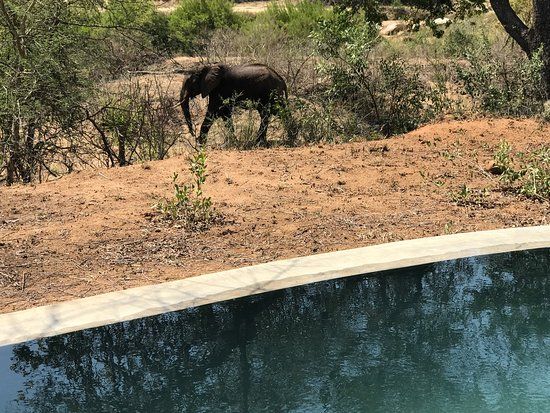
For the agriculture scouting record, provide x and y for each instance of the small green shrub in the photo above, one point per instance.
(158, 29)
(527, 174)
(467, 196)
(312, 122)
(192, 23)
(190, 206)
(502, 162)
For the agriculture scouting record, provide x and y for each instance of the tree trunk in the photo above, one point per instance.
(541, 37)
(8, 156)
(29, 161)
(529, 39)
(122, 150)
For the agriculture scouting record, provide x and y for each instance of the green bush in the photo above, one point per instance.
(297, 20)
(128, 36)
(158, 30)
(502, 82)
(139, 20)
(45, 76)
(387, 92)
(194, 20)
(323, 120)
(460, 38)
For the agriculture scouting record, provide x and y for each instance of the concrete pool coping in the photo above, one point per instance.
(155, 299)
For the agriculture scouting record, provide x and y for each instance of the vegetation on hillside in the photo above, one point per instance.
(70, 96)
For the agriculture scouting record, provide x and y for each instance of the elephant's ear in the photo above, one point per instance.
(211, 79)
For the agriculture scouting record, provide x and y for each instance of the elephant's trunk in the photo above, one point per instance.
(184, 101)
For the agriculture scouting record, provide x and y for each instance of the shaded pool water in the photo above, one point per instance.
(464, 335)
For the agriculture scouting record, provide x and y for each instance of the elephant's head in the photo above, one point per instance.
(200, 82)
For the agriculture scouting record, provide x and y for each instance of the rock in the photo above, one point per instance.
(392, 27)
(445, 21)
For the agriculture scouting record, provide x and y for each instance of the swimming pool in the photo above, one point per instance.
(471, 334)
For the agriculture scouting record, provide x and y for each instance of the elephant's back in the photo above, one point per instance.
(255, 79)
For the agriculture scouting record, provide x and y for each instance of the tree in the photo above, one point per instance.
(42, 79)
(53, 54)
(531, 39)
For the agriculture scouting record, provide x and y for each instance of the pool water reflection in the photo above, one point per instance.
(464, 335)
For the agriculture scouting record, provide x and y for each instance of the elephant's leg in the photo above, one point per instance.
(205, 127)
(265, 113)
(227, 116)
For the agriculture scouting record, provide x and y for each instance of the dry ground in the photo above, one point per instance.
(253, 7)
(92, 232)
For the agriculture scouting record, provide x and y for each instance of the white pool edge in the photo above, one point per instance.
(117, 306)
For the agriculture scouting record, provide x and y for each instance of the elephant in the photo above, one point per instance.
(227, 86)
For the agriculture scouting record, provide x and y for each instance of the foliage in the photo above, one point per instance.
(372, 13)
(194, 20)
(502, 83)
(297, 20)
(324, 120)
(462, 37)
(43, 78)
(189, 205)
(52, 57)
(467, 196)
(527, 173)
(130, 34)
(524, 9)
(385, 91)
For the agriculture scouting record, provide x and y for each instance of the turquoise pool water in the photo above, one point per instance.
(457, 336)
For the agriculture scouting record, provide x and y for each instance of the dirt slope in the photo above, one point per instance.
(91, 232)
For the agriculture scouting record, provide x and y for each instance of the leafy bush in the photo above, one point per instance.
(297, 20)
(384, 91)
(323, 120)
(194, 20)
(462, 37)
(134, 31)
(502, 83)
